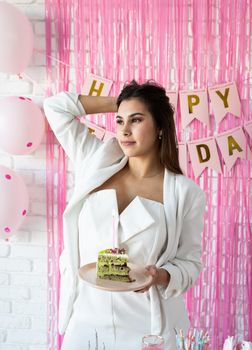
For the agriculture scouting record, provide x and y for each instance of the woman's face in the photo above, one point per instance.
(136, 131)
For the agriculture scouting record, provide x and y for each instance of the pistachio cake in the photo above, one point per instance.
(112, 265)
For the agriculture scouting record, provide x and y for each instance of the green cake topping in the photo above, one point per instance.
(113, 251)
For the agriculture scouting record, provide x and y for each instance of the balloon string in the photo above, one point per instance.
(82, 70)
(87, 66)
(54, 58)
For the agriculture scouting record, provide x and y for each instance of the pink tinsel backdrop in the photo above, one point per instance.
(185, 44)
(58, 20)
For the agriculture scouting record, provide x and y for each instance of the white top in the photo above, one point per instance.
(114, 315)
(96, 228)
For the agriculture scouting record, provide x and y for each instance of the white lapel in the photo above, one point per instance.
(170, 208)
(134, 219)
(106, 162)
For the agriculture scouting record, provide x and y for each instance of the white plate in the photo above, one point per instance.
(137, 273)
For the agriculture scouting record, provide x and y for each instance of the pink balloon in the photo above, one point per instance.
(16, 39)
(13, 203)
(22, 125)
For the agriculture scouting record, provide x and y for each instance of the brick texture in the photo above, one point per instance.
(23, 259)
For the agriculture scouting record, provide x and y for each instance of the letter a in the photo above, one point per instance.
(232, 145)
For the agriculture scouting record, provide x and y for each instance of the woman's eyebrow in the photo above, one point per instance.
(130, 116)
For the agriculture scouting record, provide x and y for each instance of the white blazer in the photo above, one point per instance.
(95, 162)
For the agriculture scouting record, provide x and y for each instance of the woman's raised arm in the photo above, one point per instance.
(98, 104)
(62, 111)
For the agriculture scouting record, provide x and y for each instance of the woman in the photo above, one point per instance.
(159, 213)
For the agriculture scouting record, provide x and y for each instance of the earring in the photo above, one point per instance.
(160, 135)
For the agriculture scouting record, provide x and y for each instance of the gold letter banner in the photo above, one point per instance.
(204, 153)
(225, 99)
(233, 145)
(96, 86)
(94, 129)
(194, 104)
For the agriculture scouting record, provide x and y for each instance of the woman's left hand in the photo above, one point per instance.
(160, 276)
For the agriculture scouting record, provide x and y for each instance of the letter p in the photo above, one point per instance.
(193, 100)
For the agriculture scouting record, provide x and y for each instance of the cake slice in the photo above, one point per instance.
(112, 265)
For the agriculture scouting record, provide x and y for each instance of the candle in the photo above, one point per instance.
(115, 230)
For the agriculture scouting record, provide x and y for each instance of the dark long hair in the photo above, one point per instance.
(157, 102)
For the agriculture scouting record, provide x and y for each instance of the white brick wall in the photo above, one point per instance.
(23, 260)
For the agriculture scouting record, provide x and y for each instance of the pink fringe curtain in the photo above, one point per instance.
(57, 19)
(185, 44)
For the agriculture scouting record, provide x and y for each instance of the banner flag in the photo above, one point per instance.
(95, 85)
(194, 104)
(204, 153)
(233, 145)
(225, 99)
(97, 130)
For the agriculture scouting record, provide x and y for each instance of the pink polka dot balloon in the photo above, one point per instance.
(13, 203)
(22, 125)
(16, 39)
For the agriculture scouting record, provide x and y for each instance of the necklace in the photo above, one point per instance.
(148, 177)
